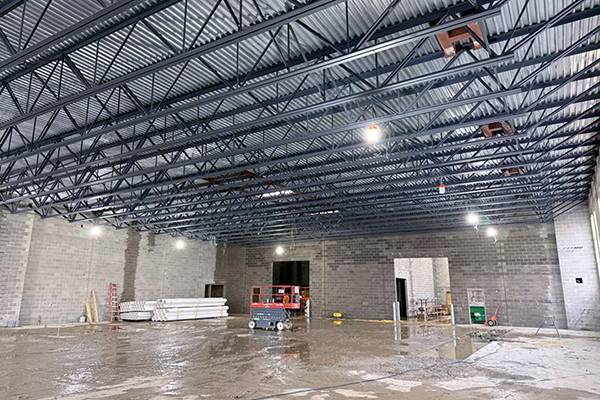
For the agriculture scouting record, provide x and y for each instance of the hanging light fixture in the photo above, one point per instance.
(472, 219)
(279, 250)
(95, 231)
(180, 244)
(373, 133)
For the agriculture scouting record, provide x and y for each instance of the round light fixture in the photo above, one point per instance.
(372, 134)
(95, 231)
(279, 250)
(180, 244)
(472, 219)
(491, 232)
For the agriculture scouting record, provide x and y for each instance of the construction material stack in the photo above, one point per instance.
(195, 308)
(137, 310)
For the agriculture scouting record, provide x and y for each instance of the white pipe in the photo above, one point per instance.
(192, 302)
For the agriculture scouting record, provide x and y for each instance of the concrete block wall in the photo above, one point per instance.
(577, 260)
(65, 264)
(520, 272)
(231, 272)
(163, 271)
(441, 279)
(59, 263)
(15, 238)
(419, 275)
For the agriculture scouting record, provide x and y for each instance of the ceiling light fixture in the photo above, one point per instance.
(372, 134)
(491, 232)
(95, 231)
(279, 250)
(180, 244)
(472, 219)
(324, 212)
(276, 193)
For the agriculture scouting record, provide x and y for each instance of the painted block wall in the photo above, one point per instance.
(15, 237)
(577, 260)
(419, 276)
(61, 262)
(441, 279)
(356, 276)
(426, 278)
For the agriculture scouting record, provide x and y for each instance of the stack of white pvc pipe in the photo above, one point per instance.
(181, 309)
(137, 310)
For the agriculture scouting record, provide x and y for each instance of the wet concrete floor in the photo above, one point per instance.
(222, 359)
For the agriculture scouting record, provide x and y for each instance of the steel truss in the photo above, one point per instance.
(255, 134)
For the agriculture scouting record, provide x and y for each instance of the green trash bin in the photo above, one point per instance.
(477, 314)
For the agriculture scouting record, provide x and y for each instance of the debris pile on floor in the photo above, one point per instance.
(137, 310)
(182, 309)
(484, 336)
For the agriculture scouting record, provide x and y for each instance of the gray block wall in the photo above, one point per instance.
(15, 237)
(231, 272)
(577, 260)
(65, 264)
(163, 271)
(59, 264)
(520, 272)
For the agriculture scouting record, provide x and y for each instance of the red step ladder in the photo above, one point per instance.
(113, 308)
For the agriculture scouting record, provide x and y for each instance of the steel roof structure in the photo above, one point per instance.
(242, 121)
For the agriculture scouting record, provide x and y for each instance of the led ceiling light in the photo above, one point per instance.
(276, 193)
(472, 219)
(180, 244)
(95, 231)
(279, 250)
(491, 232)
(328, 212)
(372, 134)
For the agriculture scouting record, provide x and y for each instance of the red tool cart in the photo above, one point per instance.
(270, 306)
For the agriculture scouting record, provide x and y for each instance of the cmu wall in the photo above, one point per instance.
(231, 271)
(356, 276)
(426, 278)
(419, 276)
(577, 260)
(63, 263)
(15, 237)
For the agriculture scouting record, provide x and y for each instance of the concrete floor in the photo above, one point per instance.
(222, 359)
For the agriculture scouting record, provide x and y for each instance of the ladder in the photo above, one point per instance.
(113, 309)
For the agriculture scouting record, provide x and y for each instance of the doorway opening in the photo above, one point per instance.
(423, 288)
(214, 290)
(293, 273)
(401, 297)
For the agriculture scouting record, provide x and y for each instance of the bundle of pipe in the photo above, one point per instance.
(137, 316)
(136, 310)
(138, 305)
(181, 309)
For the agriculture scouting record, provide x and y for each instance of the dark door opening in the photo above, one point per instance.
(214, 290)
(401, 296)
(291, 273)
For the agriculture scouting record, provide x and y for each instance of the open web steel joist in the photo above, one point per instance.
(243, 121)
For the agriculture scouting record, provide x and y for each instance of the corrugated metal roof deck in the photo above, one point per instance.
(187, 149)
